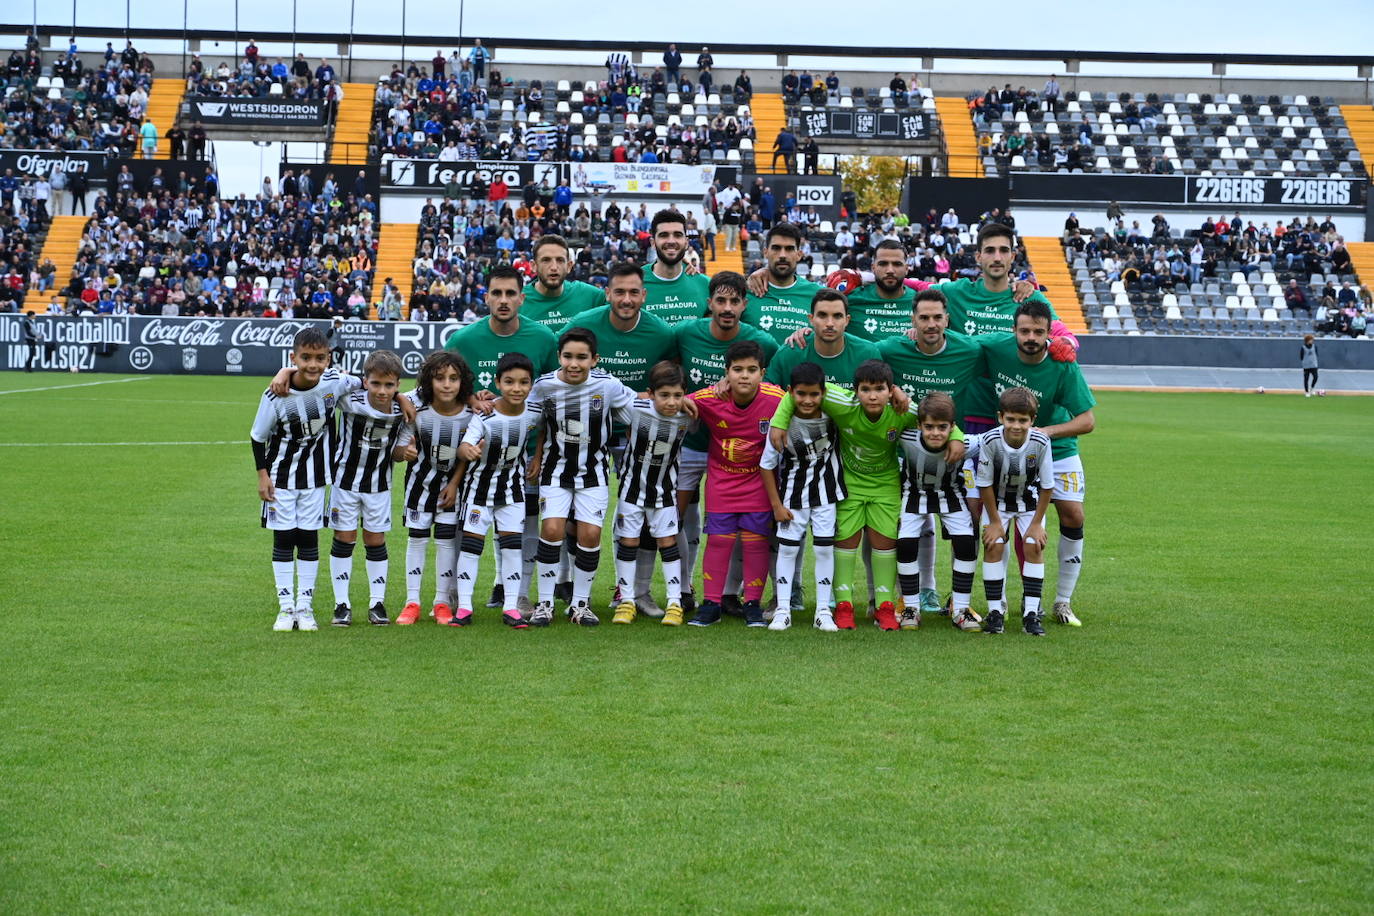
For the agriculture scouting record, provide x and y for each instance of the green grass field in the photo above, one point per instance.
(1203, 743)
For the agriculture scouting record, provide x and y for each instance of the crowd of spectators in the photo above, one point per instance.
(254, 76)
(180, 251)
(447, 112)
(75, 104)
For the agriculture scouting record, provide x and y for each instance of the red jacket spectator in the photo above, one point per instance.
(498, 191)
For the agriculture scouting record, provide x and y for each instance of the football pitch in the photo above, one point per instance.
(1203, 743)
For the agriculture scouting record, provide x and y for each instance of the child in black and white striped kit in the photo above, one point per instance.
(655, 428)
(1015, 479)
(362, 484)
(291, 438)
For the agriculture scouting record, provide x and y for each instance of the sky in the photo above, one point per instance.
(1264, 26)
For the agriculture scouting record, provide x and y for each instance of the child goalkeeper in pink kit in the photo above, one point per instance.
(737, 505)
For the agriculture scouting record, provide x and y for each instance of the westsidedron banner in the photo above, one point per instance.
(269, 112)
(204, 346)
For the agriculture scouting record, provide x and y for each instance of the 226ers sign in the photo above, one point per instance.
(1296, 192)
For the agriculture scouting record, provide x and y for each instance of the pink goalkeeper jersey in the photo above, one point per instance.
(737, 436)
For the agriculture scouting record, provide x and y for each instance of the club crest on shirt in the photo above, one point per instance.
(334, 513)
(475, 517)
(329, 402)
(597, 402)
(892, 435)
(763, 427)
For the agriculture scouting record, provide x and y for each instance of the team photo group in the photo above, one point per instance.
(712, 422)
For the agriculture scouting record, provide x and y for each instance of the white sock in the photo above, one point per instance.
(513, 576)
(997, 573)
(625, 572)
(927, 561)
(962, 600)
(416, 550)
(825, 575)
(782, 581)
(565, 560)
(467, 577)
(284, 574)
(583, 578)
(306, 573)
(1070, 565)
(672, 576)
(340, 571)
(907, 573)
(548, 570)
(445, 569)
(376, 581)
(644, 571)
(1032, 581)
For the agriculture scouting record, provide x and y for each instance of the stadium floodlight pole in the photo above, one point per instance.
(352, 11)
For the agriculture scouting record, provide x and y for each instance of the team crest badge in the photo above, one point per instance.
(597, 402)
(188, 359)
(763, 427)
(334, 513)
(475, 517)
(329, 402)
(892, 435)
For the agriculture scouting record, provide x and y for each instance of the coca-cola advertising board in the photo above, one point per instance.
(204, 346)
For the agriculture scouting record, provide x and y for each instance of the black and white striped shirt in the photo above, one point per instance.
(929, 482)
(808, 469)
(497, 477)
(363, 462)
(577, 427)
(298, 430)
(652, 444)
(436, 438)
(1016, 475)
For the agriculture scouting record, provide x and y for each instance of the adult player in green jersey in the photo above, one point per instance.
(552, 299)
(937, 361)
(870, 421)
(883, 308)
(780, 301)
(1065, 413)
(482, 344)
(671, 291)
(505, 330)
(987, 305)
(701, 346)
(830, 346)
(630, 342)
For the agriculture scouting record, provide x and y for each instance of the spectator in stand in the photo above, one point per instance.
(672, 64)
(1296, 297)
(785, 146)
(704, 61)
(478, 58)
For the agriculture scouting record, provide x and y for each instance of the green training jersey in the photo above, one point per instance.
(959, 364)
(782, 310)
(839, 369)
(1061, 388)
(974, 310)
(628, 355)
(703, 361)
(868, 447)
(483, 348)
(874, 318)
(555, 312)
(681, 299)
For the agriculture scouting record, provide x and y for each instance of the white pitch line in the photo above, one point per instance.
(71, 444)
(111, 381)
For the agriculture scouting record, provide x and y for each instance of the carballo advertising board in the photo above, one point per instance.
(205, 346)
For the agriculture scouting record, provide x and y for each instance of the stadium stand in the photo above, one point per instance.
(1257, 281)
(517, 119)
(180, 254)
(61, 245)
(1162, 133)
(164, 107)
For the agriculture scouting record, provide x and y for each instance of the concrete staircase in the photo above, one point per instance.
(770, 116)
(1362, 253)
(724, 260)
(353, 126)
(961, 143)
(164, 107)
(63, 239)
(1360, 120)
(395, 259)
(1046, 257)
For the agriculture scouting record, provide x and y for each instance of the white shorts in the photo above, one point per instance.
(956, 524)
(295, 509)
(1022, 521)
(691, 466)
(419, 518)
(588, 505)
(820, 519)
(1069, 483)
(346, 506)
(629, 521)
(479, 519)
